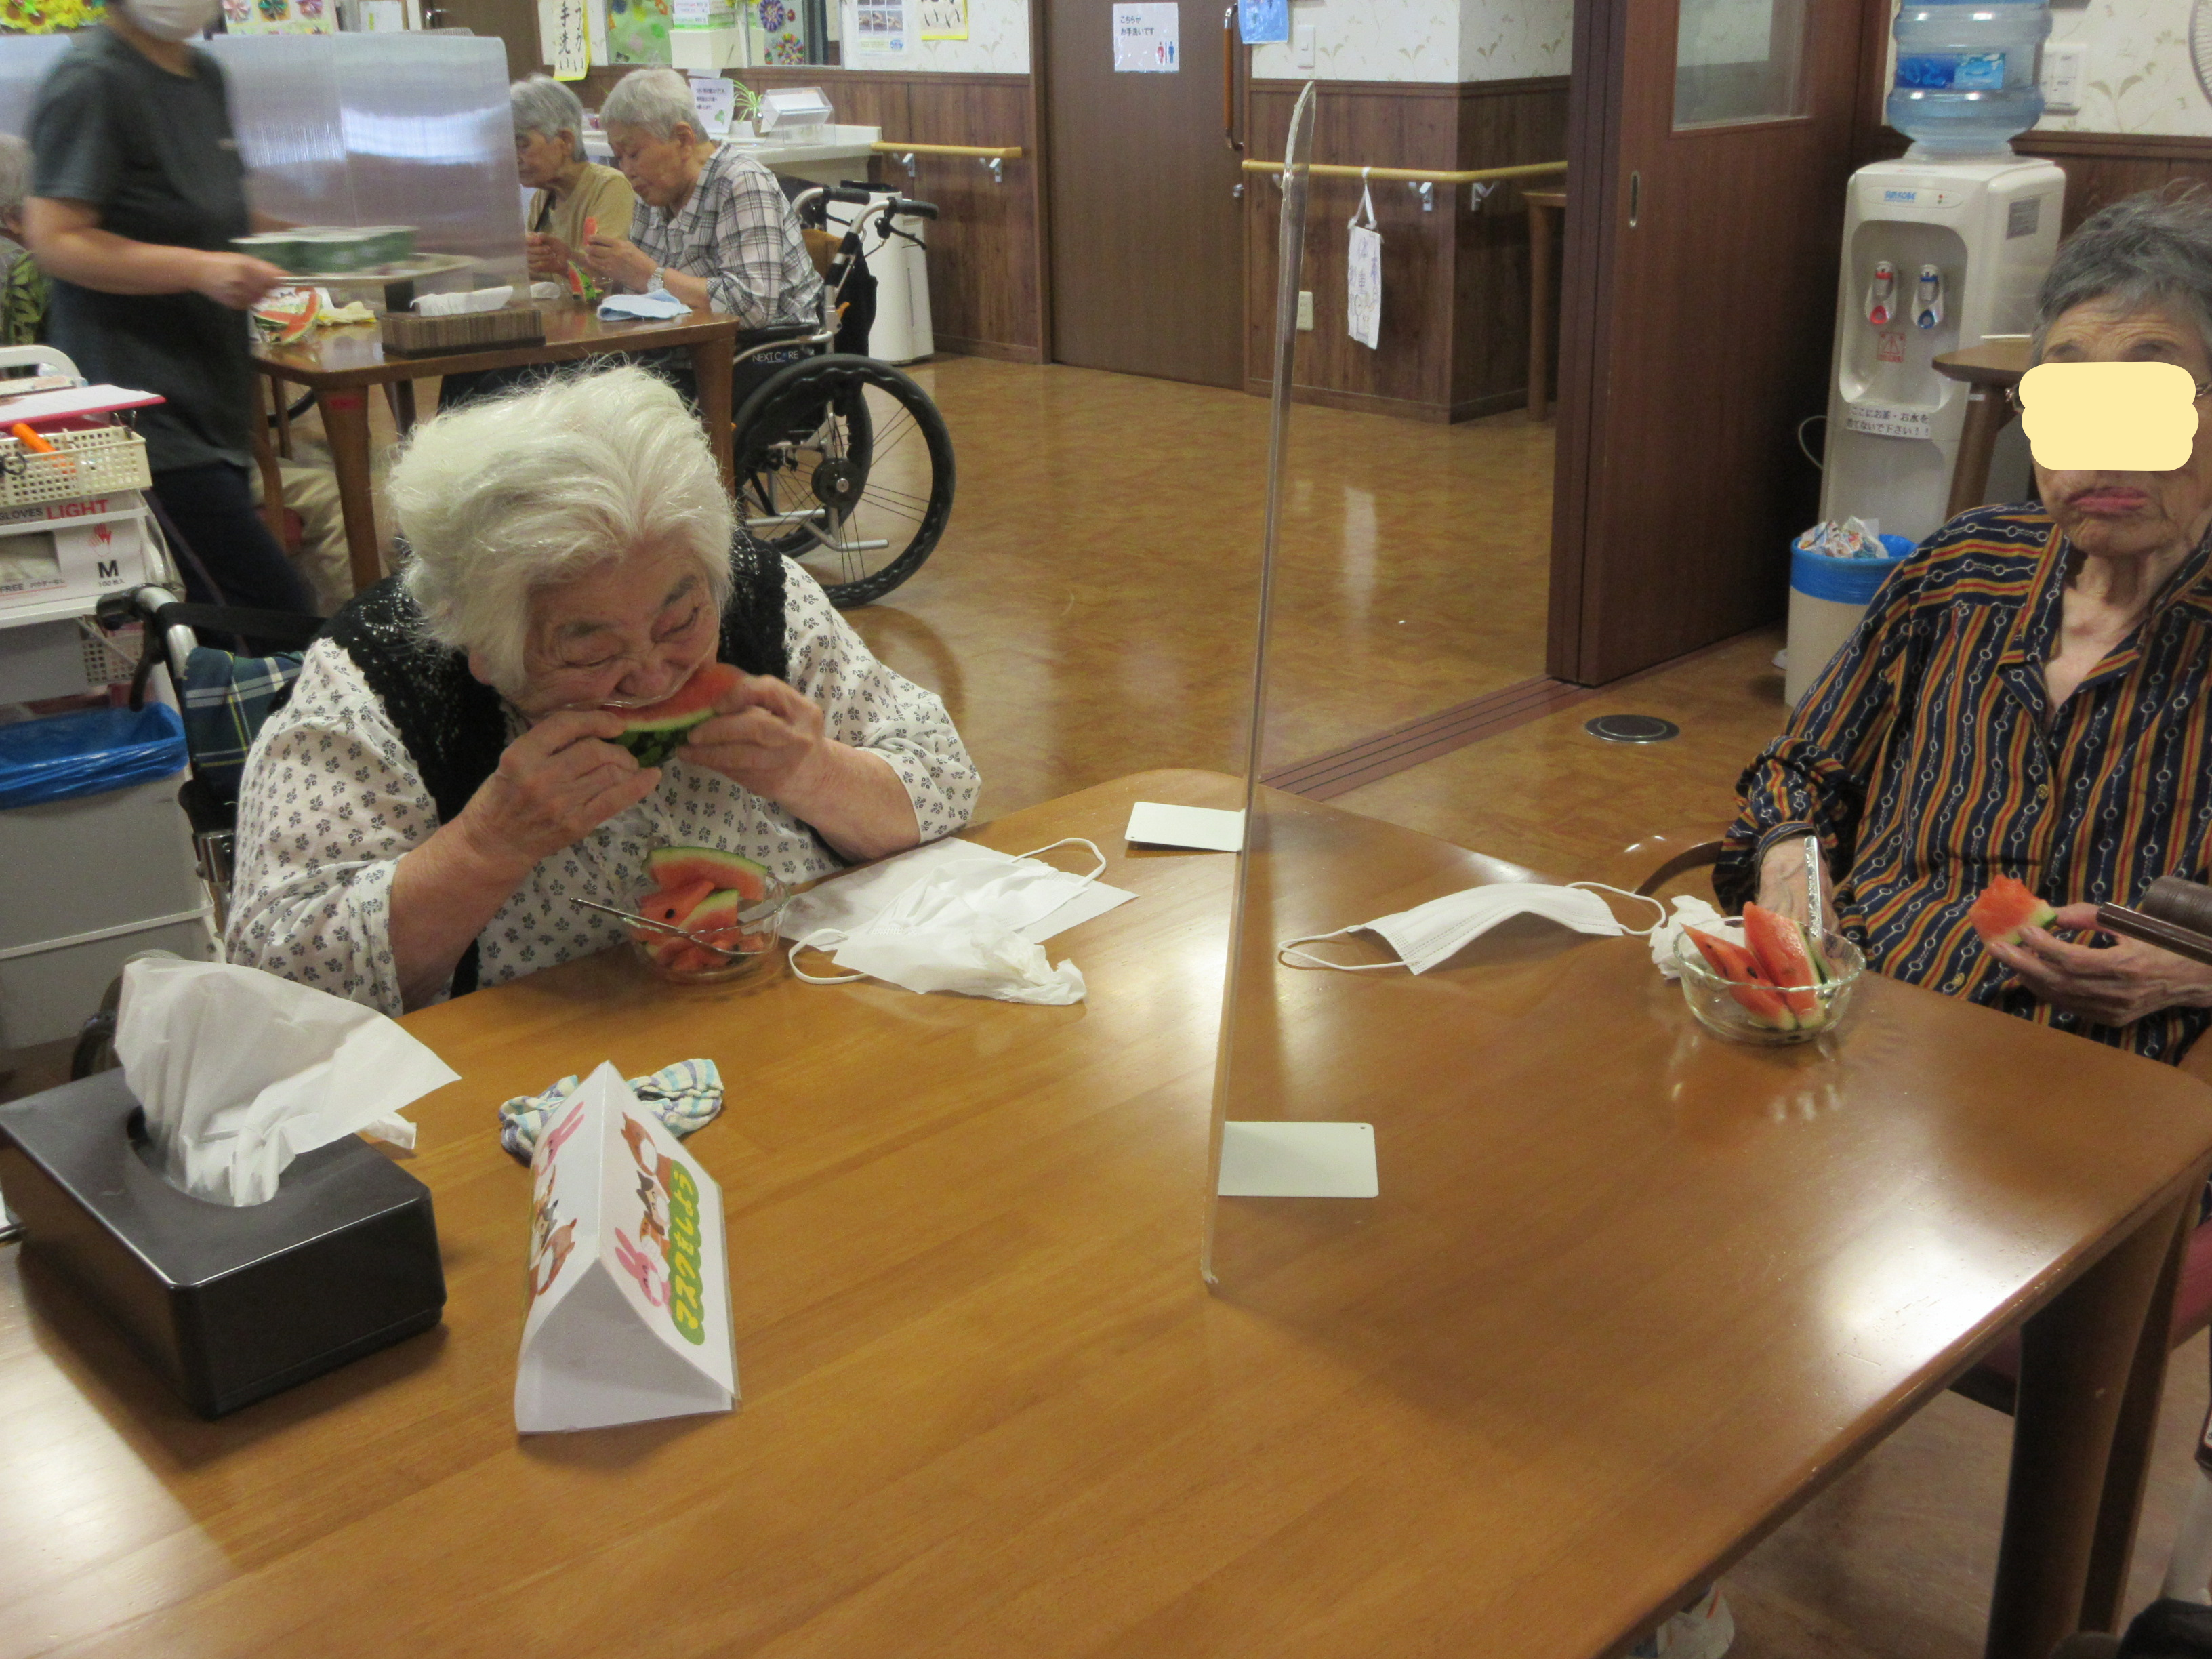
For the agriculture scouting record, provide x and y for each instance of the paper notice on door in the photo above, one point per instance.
(1363, 275)
(1146, 39)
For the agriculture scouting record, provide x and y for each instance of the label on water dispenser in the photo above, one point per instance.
(1887, 421)
(1952, 71)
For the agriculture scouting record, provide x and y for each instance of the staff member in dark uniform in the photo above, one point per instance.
(137, 188)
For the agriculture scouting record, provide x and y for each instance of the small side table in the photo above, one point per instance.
(1542, 205)
(1989, 370)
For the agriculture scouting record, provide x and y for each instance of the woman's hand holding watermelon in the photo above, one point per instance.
(770, 739)
(558, 782)
(2114, 985)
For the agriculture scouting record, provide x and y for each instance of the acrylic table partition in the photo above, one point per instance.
(1629, 1297)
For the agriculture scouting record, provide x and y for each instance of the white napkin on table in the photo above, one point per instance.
(241, 1072)
(457, 304)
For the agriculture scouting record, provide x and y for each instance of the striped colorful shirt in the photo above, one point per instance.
(1928, 760)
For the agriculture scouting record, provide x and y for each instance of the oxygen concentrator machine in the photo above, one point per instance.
(1938, 254)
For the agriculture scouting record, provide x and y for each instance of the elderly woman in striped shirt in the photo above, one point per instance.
(2027, 696)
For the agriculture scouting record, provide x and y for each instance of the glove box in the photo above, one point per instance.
(229, 1305)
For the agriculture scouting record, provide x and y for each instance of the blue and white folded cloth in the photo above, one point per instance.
(653, 308)
(686, 1096)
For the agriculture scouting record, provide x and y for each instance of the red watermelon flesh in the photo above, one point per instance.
(1735, 965)
(1778, 944)
(675, 867)
(672, 904)
(2006, 906)
(658, 730)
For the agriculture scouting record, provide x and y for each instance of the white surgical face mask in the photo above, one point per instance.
(172, 20)
(957, 929)
(1434, 932)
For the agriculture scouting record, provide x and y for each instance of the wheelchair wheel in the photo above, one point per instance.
(844, 465)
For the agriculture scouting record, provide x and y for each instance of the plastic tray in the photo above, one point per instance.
(98, 461)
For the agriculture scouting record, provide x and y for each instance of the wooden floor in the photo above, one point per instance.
(1090, 613)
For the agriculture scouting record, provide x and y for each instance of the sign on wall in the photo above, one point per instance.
(944, 20)
(1146, 39)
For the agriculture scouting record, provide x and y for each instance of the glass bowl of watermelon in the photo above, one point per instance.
(1765, 979)
(729, 907)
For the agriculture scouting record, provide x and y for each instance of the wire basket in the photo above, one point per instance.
(102, 460)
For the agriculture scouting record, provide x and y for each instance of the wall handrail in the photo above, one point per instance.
(981, 152)
(1418, 175)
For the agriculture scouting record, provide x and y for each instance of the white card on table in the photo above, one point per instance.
(1208, 829)
(630, 1277)
(1298, 1160)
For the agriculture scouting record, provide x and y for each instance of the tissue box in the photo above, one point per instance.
(230, 1305)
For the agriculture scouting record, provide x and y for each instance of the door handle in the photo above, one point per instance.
(1229, 79)
(1635, 198)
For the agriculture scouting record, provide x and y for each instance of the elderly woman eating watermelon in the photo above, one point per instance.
(2022, 727)
(580, 664)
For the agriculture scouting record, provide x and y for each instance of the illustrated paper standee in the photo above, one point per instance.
(629, 1285)
(1363, 272)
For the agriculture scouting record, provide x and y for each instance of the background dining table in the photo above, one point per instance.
(1630, 1296)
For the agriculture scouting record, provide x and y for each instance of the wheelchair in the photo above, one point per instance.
(843, 462)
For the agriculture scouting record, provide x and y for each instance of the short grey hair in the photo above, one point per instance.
(543, 106)
(654, 100)
(15, 173)
(498, 499)
(2151, 249)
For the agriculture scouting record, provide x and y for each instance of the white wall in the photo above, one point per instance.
(2139, 77)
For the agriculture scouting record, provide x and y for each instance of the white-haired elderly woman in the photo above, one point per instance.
(416, 821)
(22, 284)
(569, 191)
(713, 227)
(2027, 697)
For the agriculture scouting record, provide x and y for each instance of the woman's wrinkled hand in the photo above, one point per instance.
(618, 260)
(1782, 883)
(766, 737)
(549, 257)
(556, 783)
(2114, 984)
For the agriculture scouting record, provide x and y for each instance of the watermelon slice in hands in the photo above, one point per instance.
(656, 732)
(1748, 984)
(2007, 906)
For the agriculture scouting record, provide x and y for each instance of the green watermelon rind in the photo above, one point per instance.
(728, 871)
(655, 745)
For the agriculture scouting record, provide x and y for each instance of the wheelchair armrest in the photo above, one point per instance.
(776, 334)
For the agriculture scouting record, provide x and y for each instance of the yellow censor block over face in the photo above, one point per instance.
(2109, 418)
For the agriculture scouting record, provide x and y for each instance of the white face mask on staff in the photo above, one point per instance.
(172, 20)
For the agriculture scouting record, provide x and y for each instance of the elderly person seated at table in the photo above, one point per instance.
(2028, 697)
(571, 194)
(712, 227)
(22, 284)
(418, 818)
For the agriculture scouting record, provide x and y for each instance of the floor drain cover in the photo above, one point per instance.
(1632, 728)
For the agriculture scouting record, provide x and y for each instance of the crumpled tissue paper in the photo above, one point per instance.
(1690, 911)
(457, 304)
(241, 1072)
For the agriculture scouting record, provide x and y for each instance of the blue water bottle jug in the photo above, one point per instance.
(1967, 74)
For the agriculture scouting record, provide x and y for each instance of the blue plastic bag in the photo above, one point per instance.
(67, 757)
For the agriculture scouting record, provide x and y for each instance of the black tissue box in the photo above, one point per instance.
(230, 1305)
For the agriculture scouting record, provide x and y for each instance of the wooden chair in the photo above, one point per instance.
(1994, 1380)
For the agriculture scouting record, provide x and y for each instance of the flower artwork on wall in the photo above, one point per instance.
(278, 16)
(49, 17)
(637, 31)
(783, 32)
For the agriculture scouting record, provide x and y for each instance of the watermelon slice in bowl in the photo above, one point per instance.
(656, 731)
(1728, 979)
(729, 907)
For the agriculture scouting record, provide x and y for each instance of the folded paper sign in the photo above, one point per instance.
(629, 1278)
(241, 1072)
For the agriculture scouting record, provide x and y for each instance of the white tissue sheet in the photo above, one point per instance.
(457, 304)
(241, 1072)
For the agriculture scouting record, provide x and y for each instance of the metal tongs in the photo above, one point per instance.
(2175, 915)
(744, 924)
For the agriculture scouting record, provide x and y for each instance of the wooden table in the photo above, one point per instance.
(1989, 370)
(1542, 205)
(989, 1407)
(339, 364)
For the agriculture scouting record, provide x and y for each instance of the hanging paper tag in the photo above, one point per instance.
(1363, 275)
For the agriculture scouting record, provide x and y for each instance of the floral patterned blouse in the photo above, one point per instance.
(331, 800)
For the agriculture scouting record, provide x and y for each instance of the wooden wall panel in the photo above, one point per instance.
(983, 269)
(1455, 281)
(2102, 167)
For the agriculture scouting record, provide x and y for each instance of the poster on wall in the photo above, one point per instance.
(1263, 22)
(49, 17)
(1146, 39)
(879, 30)
(279, 16)
(944, 20)
(782, 37)
(564, 36)
(637, 31)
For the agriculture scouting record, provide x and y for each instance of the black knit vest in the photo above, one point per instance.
(452, 723)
